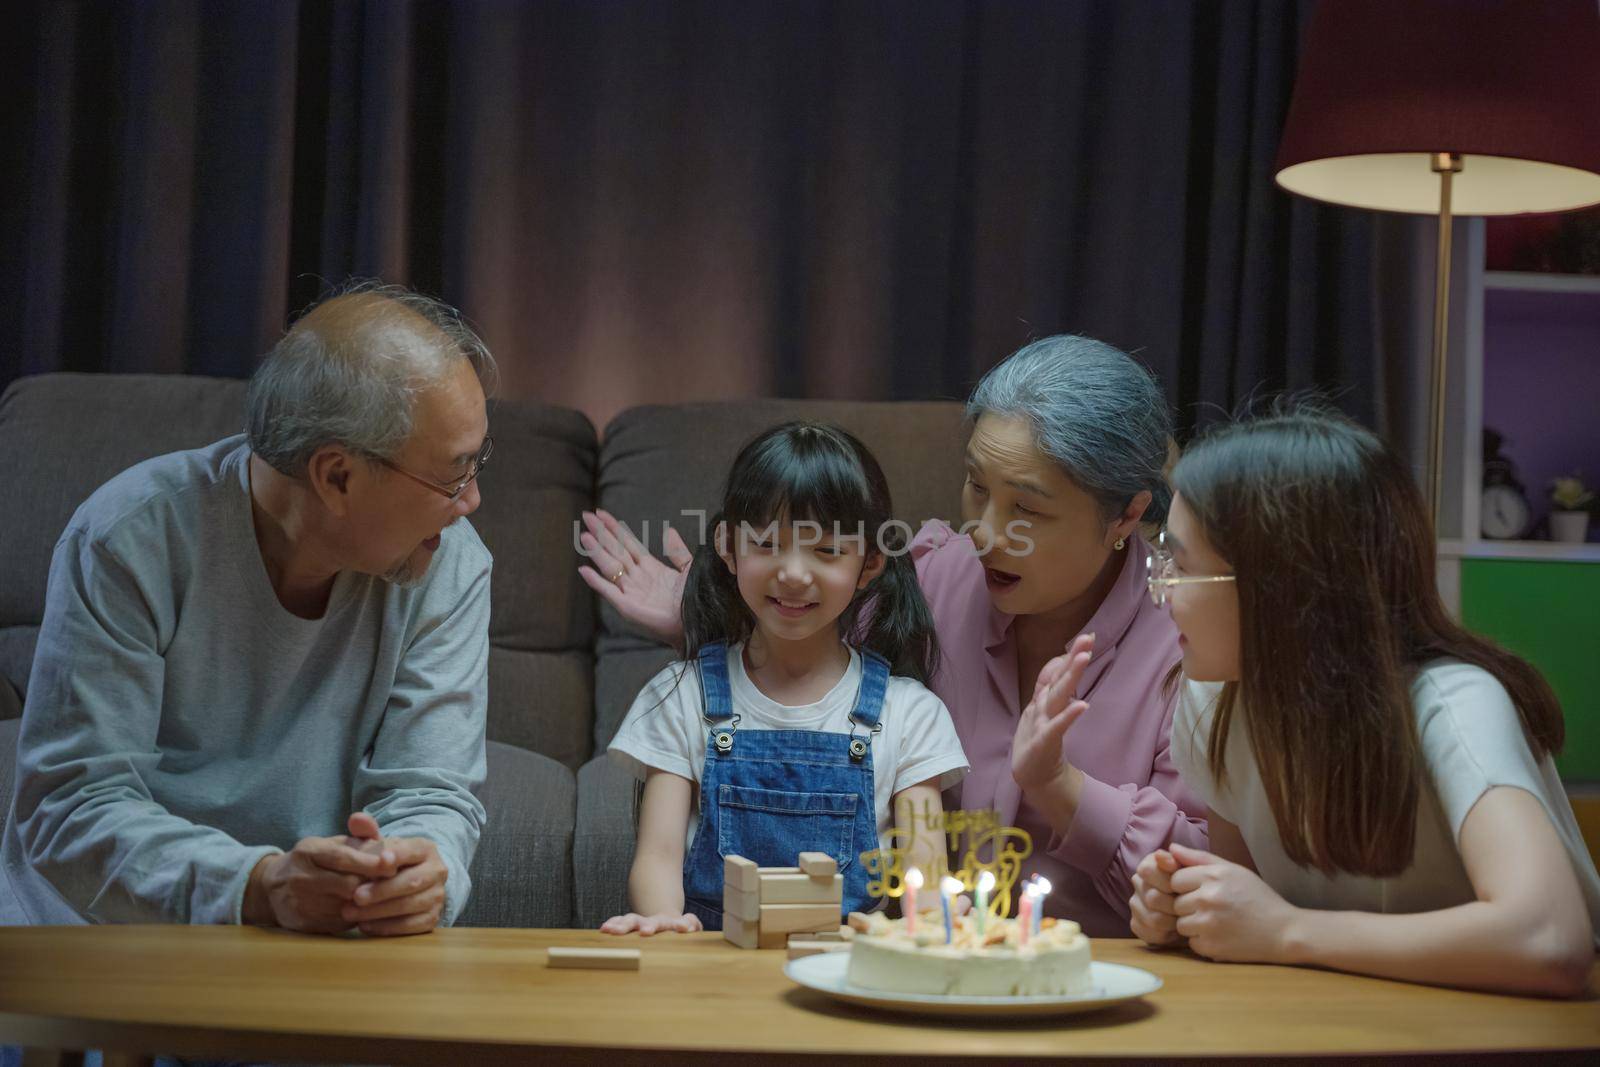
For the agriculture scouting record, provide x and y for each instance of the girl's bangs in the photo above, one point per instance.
(787, 486)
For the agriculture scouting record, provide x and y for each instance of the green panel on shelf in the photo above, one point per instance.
(1549, 613)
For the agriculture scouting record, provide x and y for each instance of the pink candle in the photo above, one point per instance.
(1025, 915)
(913, 883)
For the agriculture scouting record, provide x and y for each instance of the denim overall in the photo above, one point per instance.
(772, 794)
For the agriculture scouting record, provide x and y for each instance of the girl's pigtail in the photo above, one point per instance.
(901, 626)
(712, 607)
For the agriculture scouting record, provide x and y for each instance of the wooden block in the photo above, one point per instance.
(778, 870)
(843, 933)
(772, 939)
(819, 864)
(740, 873)
(801, 889)
(739, 932)
(595, 959)
(800, 947)
(788, 919)
(741, 903)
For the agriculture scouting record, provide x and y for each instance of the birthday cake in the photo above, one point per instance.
(995, 961)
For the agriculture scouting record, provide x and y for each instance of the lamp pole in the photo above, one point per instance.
(1446, 165)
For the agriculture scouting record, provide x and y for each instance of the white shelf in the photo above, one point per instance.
(1541, 551)
(1532, 282)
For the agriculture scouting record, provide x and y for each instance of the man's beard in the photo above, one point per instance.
(405, 574)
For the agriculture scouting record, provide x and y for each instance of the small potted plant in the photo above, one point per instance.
(1569, 514)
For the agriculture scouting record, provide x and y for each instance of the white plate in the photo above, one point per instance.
(1114, 983)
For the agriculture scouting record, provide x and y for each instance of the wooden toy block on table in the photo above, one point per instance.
(818, 864)
(595, 959)
(744, 904)
(741, 933)
(798, 918)
(783, 887)
(802, 945)
(741, 874)
(762, 906)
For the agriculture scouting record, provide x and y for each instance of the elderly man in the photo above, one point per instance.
(253, 646)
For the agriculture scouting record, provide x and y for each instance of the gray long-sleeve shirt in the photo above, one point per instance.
(181, 724)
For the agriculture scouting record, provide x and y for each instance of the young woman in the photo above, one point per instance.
(796, 726)
(1382, 794)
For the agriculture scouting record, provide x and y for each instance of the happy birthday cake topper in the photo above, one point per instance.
(975, 838)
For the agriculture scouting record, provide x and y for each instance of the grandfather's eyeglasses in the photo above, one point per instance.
(451, 492)
(1162, 572)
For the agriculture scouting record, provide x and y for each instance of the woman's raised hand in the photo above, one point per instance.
(645, 591)
(1036, 757)
(646, 925)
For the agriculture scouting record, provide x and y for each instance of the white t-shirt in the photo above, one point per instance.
(665, 728)
(1472, 741)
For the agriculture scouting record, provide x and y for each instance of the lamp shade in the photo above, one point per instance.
(1513, 86)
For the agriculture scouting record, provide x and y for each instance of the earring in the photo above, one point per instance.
(1120, 543)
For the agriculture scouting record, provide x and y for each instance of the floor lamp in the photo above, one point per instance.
(1447, 107)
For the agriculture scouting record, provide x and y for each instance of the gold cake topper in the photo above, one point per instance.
(975, 838)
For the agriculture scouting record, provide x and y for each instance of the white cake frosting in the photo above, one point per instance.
(1054, 962)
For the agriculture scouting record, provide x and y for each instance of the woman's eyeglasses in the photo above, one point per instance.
(1162, 572)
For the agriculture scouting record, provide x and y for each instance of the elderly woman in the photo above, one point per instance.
(1054, 659)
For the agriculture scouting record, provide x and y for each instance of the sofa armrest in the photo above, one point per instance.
(602, 846)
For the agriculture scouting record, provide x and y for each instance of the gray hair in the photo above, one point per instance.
(1096, 412)
(308, 394)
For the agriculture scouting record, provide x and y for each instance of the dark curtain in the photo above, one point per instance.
(650, 202)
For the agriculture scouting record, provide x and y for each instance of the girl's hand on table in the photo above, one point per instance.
(647, 925)
(1153, 906)
(1226, 911)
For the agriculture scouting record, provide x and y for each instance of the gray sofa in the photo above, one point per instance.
(562, 671)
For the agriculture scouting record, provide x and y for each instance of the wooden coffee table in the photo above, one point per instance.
(486, 997)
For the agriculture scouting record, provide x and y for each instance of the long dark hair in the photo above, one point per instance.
(1338, 611)
(817, 472)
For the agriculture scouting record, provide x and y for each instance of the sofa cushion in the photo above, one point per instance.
(630, 662)
(16, 659)
(602, 844)
(522, 873)
(540, 479)
(63, 435)
(9, 729)
(540, 700)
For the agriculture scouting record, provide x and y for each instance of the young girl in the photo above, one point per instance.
(1383, 798)
(802, 721)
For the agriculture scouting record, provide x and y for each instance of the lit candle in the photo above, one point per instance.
(948, 888)
(1025, 909)
(985, 883)
(913, 883)
(1041, 887)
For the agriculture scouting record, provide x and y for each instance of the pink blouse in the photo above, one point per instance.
(1133, 801)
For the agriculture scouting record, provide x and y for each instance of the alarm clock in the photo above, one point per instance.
(1503, 512)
